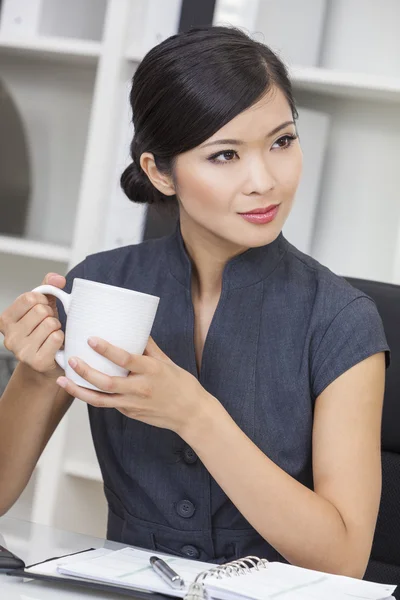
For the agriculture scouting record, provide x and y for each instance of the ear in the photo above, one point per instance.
(162, 182)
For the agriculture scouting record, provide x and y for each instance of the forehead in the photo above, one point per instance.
(258, 120)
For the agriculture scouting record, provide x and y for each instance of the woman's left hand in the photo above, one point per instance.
(156, 390)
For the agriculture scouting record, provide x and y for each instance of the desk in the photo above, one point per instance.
(34, 543)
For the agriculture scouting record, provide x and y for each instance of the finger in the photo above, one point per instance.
(19, 333)
(26, 348)
(107, 383)
(155, 351)
(20, 307)
(50, 346)
(98, 399)
(58, 281)
(42, 332)
(32, 319)
(42, 360)
(132, 362)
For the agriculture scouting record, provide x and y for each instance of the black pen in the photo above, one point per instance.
(167, 574)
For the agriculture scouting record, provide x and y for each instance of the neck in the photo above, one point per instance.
(209, 255)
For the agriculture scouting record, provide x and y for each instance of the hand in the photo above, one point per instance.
(32, 330)
(156, 391)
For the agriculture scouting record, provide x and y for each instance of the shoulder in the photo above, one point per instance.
(344, 325)
(328, 292)
(133, 265)
(337, 313)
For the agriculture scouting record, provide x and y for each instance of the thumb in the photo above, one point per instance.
(57, 281)
(155, 351)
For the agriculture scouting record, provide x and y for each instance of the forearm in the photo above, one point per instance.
(305, 528)
(30, 409)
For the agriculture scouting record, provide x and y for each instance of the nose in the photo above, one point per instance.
(260, 179)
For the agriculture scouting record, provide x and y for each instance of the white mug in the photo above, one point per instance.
(122, 317)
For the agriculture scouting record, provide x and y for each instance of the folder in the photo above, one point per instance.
(128, 572)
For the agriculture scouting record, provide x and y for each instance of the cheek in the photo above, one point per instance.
(203, 186)
(290, 171)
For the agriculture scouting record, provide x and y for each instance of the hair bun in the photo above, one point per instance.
(136, 184)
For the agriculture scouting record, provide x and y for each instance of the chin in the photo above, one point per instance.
(262, 236)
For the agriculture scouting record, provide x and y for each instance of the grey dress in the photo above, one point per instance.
(284, 329)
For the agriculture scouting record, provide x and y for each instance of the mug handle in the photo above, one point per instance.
(65, 300)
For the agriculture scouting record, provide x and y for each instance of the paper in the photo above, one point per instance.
(51, 567)
(286, 582)
(130, 568)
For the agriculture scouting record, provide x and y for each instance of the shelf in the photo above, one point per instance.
(336, 83)
(33, 249)
(59, 49)
(352, 85)
(79, 469)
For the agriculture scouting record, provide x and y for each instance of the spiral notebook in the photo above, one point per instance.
(249, 578)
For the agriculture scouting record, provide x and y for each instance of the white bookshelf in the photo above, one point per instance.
(72, 95)
(80, 469)
(33, 249)
(360, 86)
(52, 48)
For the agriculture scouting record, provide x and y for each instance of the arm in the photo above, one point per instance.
(32, 404)
(329, 529)
(30, 410)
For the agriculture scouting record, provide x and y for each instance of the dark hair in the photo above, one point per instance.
(189, 86)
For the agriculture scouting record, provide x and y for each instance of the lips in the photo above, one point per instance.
(261, 216)
(260, 211)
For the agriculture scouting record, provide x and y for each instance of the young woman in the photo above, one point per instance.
(251, 425)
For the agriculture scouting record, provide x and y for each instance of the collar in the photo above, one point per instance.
(243, 270)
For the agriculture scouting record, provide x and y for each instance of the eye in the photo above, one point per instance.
(223, 157)
(285, 141)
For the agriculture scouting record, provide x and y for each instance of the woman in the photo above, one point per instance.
(252, 423)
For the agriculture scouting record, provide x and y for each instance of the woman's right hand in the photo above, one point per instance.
(32, 330)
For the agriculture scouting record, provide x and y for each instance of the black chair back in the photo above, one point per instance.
(384, 565)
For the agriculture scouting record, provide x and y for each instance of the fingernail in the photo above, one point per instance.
(73, 362)
(92, 341)
(62, 382)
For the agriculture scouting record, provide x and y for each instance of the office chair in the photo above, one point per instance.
(384, 564)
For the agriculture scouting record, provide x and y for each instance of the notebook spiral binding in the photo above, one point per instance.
(197, 590)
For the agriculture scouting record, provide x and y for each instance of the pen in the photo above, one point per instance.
(167, 574)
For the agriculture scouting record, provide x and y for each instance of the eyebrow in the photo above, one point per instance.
(240, 142)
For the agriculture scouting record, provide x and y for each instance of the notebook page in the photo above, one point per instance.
(130, 568)
(50, 567)
(286, 582)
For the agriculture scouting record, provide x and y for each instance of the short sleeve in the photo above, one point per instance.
(77, 271)
(353, 335)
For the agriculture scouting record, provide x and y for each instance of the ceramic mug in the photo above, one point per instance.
(122, 317)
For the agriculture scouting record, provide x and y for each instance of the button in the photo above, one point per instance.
(185, 508)
(189, 455)
(190, 551)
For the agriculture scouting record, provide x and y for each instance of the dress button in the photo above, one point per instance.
(189, 455)
(190, 551)
(185, 508)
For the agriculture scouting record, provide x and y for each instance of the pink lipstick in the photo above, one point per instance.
(261, 216)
